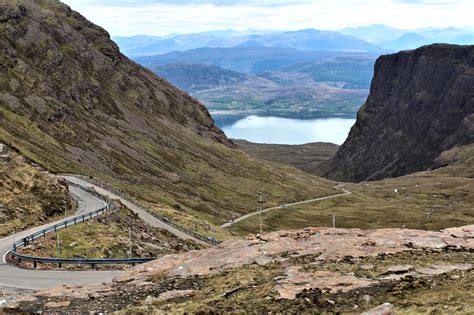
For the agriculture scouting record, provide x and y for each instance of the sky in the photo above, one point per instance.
(162, 17)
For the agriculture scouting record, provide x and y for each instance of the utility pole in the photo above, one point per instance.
(13, 237)
(130, 237)
(59, 245)
(260, 201)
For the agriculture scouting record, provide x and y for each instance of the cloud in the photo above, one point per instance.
(141, 3)
(161, 17)
(429, 2)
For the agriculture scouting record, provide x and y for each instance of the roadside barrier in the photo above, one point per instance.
(94, 181)
(65, 224)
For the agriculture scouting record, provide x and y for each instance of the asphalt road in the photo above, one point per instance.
(248, 215)
(145, 216)
(12, 278)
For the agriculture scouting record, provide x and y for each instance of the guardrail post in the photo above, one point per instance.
(34, 264)
(59, 265)
(90, 215)
(44, 233)
(65, 224)
(75, 223)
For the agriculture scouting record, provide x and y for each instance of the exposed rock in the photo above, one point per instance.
(57, 304)
(297, 281)
(384, 309)
(330, 244)
(168, 295)
(420, 105)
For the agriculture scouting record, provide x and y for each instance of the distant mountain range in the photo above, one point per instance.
(399, 39)
(289, 94)
(307, 73)
(309, 39)
(250, 59)
(377, 38)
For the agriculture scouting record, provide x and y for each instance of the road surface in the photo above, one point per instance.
(13, 278)
(142, 214)
(228, 224)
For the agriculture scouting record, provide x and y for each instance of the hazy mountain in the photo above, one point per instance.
(421, 37)
(309, 39)
(142, 45)
(354, 72)
(279, 93)
(248, 60)
(374, 33)
(198, 77)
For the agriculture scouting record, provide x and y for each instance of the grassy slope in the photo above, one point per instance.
(28, 197)
(304, 157)
(426, 200)
(108, 237)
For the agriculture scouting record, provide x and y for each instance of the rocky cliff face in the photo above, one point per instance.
(421, 103)
(70, 101)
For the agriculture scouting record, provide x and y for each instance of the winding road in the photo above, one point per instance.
(248, 215)
(142, 214)
(13, 278)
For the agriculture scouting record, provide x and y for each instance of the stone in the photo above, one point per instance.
(73, 244)
(384, 309)
(263, 260)
(59, 304)
(168, 295)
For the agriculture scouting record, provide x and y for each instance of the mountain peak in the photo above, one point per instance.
(419, 106)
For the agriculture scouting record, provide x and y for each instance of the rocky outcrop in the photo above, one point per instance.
(421, 103)
(313, 269)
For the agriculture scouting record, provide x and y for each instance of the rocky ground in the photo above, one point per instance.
(27, 196)
(107, 236)
(310, 270)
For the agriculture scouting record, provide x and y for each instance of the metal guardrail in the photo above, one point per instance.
(92, 180)
(64, 224)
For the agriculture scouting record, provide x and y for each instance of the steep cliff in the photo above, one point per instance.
(72, 102)
(421, 103)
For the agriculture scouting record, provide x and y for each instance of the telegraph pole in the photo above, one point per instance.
(260, 201)
(130, 237)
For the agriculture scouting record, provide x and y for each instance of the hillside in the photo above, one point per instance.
(305, 157)
(420, 104)
(27, 196)
(70, 101)
(289, 94)
(197, 76)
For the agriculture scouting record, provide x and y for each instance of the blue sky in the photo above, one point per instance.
(161, 17)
